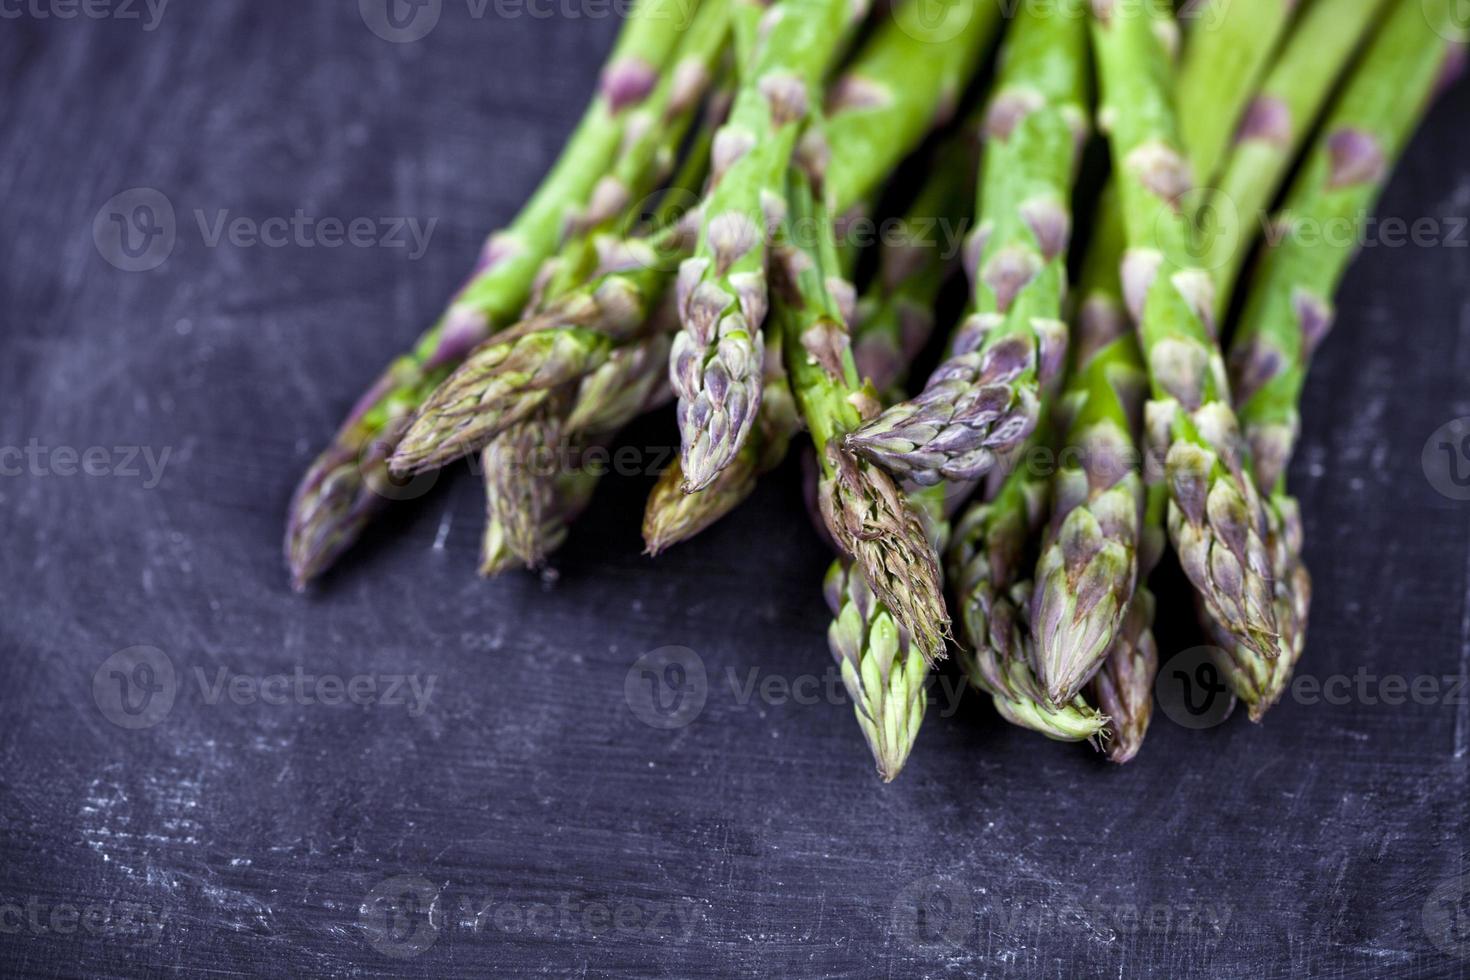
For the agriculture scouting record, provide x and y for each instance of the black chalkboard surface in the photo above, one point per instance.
(415, 772)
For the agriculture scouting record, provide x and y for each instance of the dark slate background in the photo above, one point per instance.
(549, 828)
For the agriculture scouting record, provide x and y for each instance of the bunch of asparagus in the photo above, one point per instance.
(1068, 435)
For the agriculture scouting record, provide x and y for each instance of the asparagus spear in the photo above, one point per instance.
(982, 400)
(861, 506)
(1275, 124)
(520, 496)
(347, 484)
(715, 364)
(905, 79)
(1225, 55)
(892, 321)
(1215, 516)
(1092, 606)
(532, 466)
(672, 515)
(1089, 563)
(1124, 687)
(1290, 306)
(600, 289)
(880, 109)
(883, 670)
(1088, 568)
(985, 559)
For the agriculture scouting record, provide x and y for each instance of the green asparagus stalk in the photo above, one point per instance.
(892, 321)
(982, 401)
(1275, 124)
(883, 670)
(1124, 687)
(521, 508)
(1216, 520)
(571, 494)
(1220, 67)
(597, 291)
(672, 515)
(986, 555)
(1089, 562)
(1290, 306)
(867, 515)
(895, 316)
(1225, 55)
(348, 483)
(715, 365)
(530, 467)
(905, 79)
(880, 110)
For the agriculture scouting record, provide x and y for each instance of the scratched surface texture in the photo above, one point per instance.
(519, 817)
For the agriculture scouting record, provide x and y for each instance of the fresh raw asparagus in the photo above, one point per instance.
(1216, 520)
(1226, 52)
(982, 400)
(1271, 134)
(1050, 564)
(349, 482)
(1124, 687)
(715, 365)
(1088, 569)
(881, 109)
(903, 80)
(601, 288)
(861, 506)
(1319, 230)
(531, 466)
(883, 670)
(986, 557)
(1089, 562)
(1290, 307)
(520, 496)
(892, 322)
